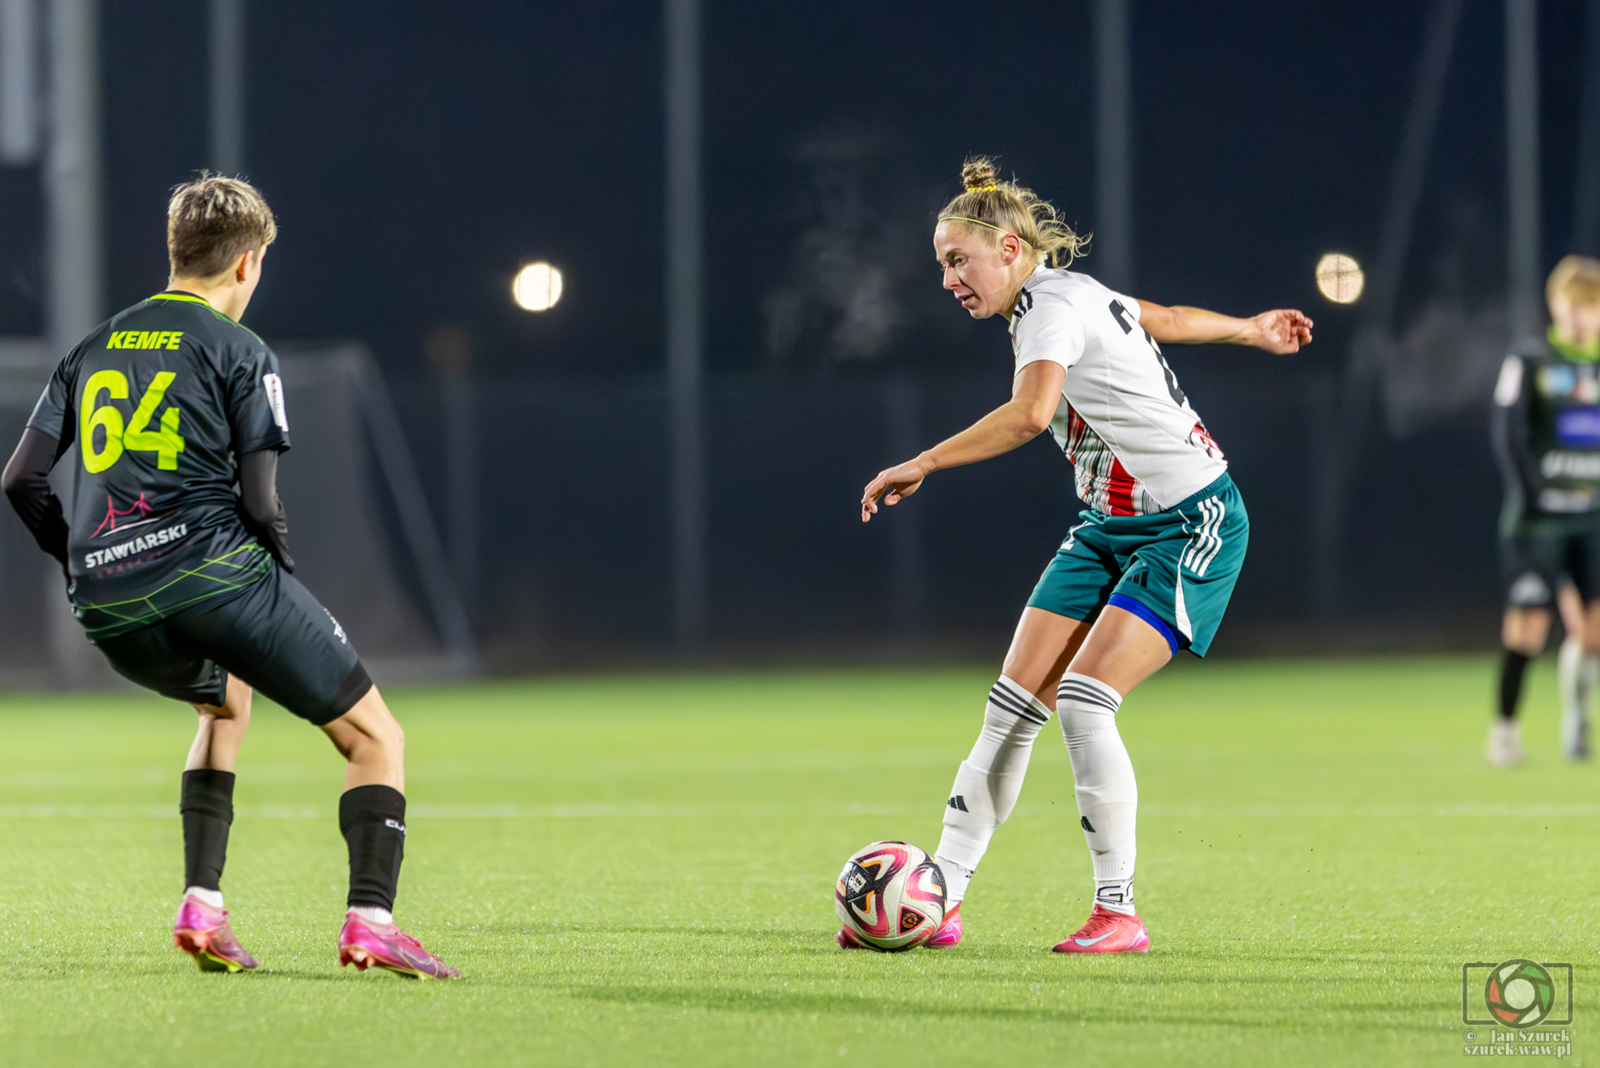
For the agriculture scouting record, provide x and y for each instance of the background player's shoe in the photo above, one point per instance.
(1107, 932)
(1505, 743)
(949, 933)
(367, 944)
(203, 932)
(1575, 736)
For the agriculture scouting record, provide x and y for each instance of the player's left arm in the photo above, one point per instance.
(1281, 331)
(263, 511)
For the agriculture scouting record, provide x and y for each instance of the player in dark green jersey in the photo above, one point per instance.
(183, 580)
(1547, 437)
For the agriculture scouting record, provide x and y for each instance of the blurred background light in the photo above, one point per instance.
(1340, 278)
(537, 287)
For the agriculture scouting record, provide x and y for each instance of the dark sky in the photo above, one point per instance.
(416, 158)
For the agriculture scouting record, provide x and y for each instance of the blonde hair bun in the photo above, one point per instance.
(1000, 208)
(978, 175)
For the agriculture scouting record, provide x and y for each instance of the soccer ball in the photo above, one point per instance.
(891, 895)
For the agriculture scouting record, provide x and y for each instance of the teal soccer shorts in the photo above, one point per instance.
(1174, 569)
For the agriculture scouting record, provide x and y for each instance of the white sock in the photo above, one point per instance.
(371, 912)
(1108, 794)
(988, 782)
(210, 897)
(1569, 678)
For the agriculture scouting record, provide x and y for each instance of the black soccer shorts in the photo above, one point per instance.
(1535, 566)
(274, 636)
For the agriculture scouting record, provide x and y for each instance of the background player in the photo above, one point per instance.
(1150, 565)
(1546, 428)
(185, 586)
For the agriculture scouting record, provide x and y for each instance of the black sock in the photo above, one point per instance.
(373, 822)
(207, 808)
(1511, 671)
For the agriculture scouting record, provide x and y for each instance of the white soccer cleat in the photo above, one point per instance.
(1575, 736)
(1505, 744)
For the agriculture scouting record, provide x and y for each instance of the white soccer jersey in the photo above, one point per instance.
(1135, 445)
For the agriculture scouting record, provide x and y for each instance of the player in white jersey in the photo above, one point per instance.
(1149, 566)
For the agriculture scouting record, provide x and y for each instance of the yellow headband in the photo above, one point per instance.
(975, 222)
(991, 187)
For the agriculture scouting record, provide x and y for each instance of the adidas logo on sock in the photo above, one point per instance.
(958, 802)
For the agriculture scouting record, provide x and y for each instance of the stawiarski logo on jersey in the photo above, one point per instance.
(137, 514)
(135, 546)
(1531, 998)
(338, 631)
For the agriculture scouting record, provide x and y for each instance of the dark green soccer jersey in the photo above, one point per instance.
(1547, 435)
(161, 399)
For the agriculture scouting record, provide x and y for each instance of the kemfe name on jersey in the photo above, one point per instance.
(135, 546)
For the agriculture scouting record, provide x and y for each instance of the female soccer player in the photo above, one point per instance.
(1148, 568)
(186, 586)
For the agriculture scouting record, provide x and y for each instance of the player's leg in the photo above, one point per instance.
(1576, 744)
(1181, 568)
(1579, 664)
(202, 928)
(277, 638)
(1531, 571)
(1572, 682)
(1120, 652)
(989, 781)
(372, 817)
(161, 658)
(372, 809)
(207, 798)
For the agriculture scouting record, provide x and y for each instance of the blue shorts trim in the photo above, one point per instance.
(1128, 604)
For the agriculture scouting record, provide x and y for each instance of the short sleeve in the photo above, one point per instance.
(1507, 388)
(256, 412)
(1048, 328)
(53, 414)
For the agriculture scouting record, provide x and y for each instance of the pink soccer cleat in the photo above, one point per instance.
(847, 939)
(1107, 932)
(948, 936)
(203, 932)
(368, 944)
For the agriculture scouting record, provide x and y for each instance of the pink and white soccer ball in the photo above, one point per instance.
(892, 895)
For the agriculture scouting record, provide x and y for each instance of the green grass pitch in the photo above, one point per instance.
(639, 870)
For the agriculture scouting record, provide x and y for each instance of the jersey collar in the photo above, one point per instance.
(178, 294)
(1569, 351)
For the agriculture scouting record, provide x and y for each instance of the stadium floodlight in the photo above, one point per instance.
(1340, 278)
(537, 287)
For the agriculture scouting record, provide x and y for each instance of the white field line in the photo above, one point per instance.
(1457, 810)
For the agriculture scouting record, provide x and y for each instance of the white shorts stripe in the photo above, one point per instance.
(1206, 541)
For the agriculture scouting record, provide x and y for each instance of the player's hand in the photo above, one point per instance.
(893, 485)
(1282, 331)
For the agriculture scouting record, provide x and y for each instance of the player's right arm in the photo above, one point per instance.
(1035, 394)
(51, 430)
(1508, 429)
(26, 484)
